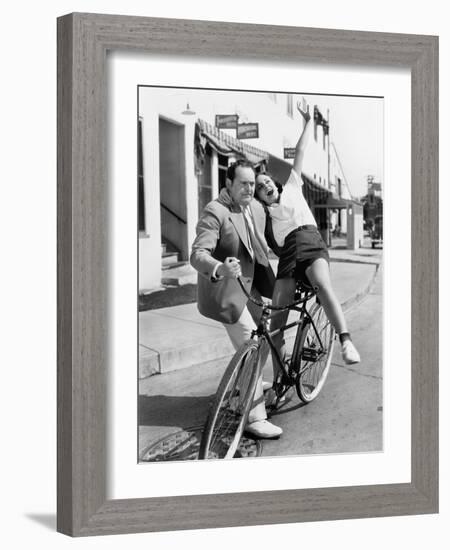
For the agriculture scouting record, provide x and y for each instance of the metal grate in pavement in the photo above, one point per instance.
(184, 445)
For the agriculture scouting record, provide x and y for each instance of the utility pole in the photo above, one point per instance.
(329, 180)
(328, 120)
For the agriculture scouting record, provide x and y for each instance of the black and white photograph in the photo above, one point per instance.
(221, 277)
(260, 252)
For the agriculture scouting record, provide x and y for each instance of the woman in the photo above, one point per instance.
(303, 253)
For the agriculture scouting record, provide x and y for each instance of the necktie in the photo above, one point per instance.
(255, 245)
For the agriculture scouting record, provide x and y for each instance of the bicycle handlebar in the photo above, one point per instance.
(308, 296)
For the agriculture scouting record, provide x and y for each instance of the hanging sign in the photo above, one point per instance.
(248, 131)
(289, 152)
(227, 122)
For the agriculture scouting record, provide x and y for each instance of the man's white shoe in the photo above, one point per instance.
(266, 385)
(350, 354)
(263, 429)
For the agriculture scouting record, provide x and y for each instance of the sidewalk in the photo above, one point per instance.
(179, 337)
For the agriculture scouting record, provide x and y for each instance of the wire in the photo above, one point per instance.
(342, 169)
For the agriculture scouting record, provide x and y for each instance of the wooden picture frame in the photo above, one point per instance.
(83, 41)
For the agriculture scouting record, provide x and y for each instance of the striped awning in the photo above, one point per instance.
(315, 194)
(334, 203)
(206, 133)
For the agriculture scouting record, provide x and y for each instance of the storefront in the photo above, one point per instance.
(184, 168)
(321, 200)
(214, 151)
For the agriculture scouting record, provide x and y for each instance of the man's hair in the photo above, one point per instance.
(231, 170)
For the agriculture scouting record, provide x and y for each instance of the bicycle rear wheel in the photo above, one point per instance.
(312, 354)
(229, 412)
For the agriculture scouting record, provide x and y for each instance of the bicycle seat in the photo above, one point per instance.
(302, 286)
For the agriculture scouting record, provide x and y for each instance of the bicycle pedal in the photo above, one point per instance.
(285, 382)
(275, 406)
(275, 398)
(310, 354)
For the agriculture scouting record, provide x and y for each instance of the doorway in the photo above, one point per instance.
(172, 181)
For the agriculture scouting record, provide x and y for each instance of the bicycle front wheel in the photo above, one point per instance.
(312, 354)
(229, 412)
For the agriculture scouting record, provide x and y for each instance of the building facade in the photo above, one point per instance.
(373, 201)
(183, 157)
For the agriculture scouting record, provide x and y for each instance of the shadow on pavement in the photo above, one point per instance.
(181, 411)
(292, 404)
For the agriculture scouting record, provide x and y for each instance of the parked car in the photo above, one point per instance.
(376, 234)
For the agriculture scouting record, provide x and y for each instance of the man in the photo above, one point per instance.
(230, 243)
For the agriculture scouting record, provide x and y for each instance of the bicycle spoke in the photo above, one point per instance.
(228, 416)
(233, 400)
(226, 420)
(315, 355)
(224, 433)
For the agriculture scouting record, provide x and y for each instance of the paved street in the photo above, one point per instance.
(346, 417)
(347, 414)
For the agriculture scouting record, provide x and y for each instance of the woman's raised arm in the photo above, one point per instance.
(303, 140)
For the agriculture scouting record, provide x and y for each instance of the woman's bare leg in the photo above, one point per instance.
(318, 274)
(283, 294)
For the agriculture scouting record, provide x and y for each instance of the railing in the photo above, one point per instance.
(167, 209)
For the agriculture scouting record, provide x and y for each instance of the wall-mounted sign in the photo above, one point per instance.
(227, 122)
(289, 153)
(247, 131)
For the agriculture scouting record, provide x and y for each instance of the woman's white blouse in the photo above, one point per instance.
(292, 210)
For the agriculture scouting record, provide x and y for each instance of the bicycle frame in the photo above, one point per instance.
(218, 431)
(262, 330)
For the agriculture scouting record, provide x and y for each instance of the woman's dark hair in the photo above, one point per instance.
(275, 181)
(231, 170)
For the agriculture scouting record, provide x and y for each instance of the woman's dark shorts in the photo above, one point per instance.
(301, 247)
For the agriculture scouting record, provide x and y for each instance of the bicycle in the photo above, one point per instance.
(306, 369)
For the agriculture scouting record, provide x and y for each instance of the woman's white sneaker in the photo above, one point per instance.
(350, 354)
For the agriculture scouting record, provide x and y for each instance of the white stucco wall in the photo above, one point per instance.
(167, 104)
(277, 130)
(150, 240)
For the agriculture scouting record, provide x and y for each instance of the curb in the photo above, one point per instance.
(357, 298)
(150, 362)
(351, 261)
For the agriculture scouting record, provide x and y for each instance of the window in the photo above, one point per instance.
(325, 128)
(290, 105)
(141, 213)
(319, 120)
(316, 119)
(223, 167)
(204, 180)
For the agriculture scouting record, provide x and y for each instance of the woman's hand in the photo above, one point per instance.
(305, 114)
(303, 139)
